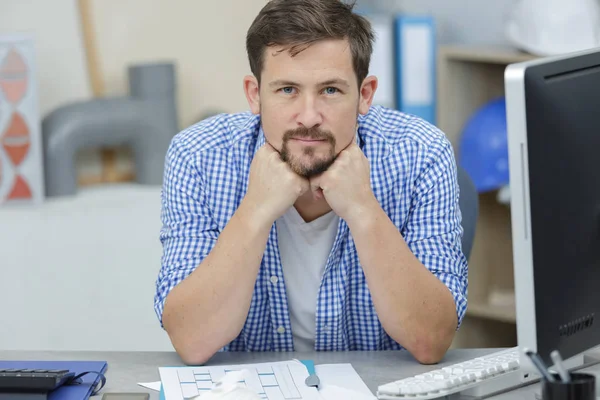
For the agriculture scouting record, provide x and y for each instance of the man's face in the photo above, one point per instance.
(309, 104)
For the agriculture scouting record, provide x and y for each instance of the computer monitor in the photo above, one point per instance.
(553, 122)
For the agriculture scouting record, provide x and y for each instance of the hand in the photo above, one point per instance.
(273, 187)
(346, 185)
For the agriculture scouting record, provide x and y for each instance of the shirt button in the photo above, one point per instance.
(274, 279)
(326, 329)
(281, 329)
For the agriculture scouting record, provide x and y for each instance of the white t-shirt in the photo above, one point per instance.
(304, 249)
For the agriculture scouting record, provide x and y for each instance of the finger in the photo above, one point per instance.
(314, 183)
(318, 194)
(315, 188)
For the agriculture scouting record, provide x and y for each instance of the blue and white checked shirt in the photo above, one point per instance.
(413, 175)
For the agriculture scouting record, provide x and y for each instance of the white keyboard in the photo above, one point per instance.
(487, 374)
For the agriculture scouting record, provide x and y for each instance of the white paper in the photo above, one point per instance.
(331, 392)
(341, 381)
(281, 380)
(151, 385)
(284, 380)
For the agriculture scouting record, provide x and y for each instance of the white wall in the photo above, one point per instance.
(206, 40)
(78, 273)
(458, 21)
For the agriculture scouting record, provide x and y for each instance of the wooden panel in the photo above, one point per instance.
(485, 55)
(468, 78)
(463, 88)
(485, 333)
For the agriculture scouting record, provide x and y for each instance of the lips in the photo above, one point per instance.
(307, 140)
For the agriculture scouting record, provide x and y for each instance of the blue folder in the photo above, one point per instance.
(69, 392)
(416, 49)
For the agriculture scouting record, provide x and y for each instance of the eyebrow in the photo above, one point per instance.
(330, 82)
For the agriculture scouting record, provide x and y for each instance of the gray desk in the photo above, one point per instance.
(126, 369)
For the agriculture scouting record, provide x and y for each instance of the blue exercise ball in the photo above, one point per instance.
(484, 146)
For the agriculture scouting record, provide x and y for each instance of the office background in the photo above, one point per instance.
(78, 272)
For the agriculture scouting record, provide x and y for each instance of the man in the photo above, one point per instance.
(317, 221)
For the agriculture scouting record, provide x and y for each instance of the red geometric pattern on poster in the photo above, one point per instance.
(15, 139)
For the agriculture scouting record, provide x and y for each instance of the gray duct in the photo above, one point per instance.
(146, 121)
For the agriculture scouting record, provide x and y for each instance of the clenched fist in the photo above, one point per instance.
(346, 185)
(273, 187)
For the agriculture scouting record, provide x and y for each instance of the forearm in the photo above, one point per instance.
(208, 309)
(415, 308)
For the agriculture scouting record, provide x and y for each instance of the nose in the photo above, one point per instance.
(309, 114)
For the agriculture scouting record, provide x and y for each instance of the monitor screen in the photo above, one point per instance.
(553, 118)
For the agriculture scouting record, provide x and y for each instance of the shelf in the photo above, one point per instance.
(497, 55)
(469, 77)
(495, 312)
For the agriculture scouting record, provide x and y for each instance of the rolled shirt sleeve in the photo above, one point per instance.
(188, 232)
(434, 231)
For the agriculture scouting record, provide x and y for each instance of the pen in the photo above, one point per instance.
(539, 364)
(558, 363)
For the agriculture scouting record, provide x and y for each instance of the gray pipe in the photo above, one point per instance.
(146, 121)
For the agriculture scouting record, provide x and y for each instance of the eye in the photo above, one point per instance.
(331, 90)
(287, 90)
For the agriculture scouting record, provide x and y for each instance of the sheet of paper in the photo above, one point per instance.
(331, 392)
(279, 380)
(272, 381)
(341, 381)
(151, 385)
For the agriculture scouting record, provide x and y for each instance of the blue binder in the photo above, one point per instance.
(70, 392)
(416, 50)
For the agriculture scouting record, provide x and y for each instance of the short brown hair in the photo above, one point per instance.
(296, 24)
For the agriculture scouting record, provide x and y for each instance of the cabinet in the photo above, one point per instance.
(468, 77)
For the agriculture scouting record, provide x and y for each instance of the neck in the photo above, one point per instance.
(310, 208)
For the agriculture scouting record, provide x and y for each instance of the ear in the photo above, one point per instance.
(251, 89)
(367, 91)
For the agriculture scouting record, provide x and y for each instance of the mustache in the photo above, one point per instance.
(313, 133)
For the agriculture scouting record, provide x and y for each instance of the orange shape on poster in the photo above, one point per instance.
(13, 77)
(20, 190)
(15, 139)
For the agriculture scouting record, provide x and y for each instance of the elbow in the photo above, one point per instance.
(192, 352)
(430, 349)
(192, 349)
(428, 353)
(194, 357)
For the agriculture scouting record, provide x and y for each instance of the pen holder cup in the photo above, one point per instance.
(581, 387)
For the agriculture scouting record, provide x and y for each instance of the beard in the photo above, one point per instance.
(316, 164)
